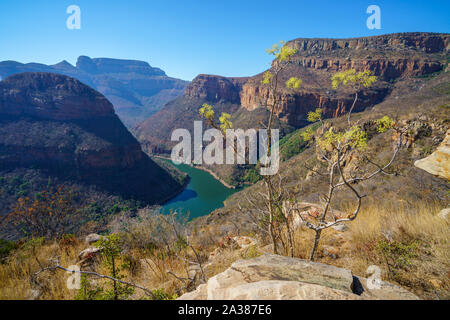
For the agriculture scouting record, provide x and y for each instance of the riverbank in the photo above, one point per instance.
(200, 168)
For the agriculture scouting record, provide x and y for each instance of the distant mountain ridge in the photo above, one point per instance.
(135, 88)
(54, 127)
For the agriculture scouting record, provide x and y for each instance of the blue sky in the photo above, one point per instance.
(186, 38)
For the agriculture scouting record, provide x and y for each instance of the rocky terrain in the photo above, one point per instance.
(135, 88)
(393, 58)
(57, 127)
(273, 277)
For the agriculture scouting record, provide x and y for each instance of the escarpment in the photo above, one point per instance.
(390, 57)
(57, 124)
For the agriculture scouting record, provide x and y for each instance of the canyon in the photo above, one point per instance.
(390, 57)
(136, 89)
(53, 127)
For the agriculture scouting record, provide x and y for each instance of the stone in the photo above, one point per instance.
(273, 277)
(438, 163)
(443, 214)
(93, 237)
(386, 291)
(88, 253)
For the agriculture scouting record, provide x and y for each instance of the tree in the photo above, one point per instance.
(273, 213)
(49, 215)
(110, 250)
(355, 80)
(335, 147)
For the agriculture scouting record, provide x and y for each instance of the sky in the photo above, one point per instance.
(191, 37)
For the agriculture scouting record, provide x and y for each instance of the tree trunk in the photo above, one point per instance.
(316, 243)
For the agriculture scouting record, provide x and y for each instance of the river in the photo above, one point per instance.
(202, 195)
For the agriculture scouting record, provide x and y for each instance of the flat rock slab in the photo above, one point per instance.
(273, 277)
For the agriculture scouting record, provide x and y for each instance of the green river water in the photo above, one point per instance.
(202, 195)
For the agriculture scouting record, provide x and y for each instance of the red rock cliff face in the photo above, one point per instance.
(215, 88)
(389, 57)
(57, 120)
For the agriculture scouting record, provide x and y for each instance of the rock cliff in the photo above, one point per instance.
(391, 57)
(135, 88)
(56, 123)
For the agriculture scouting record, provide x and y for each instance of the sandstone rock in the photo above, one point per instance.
(272, 290)
(272, 277)
(88, 253)
(215, 88)
(298, 212)
(443, 214)
(386, 291)
(93, 237)
(438, 163)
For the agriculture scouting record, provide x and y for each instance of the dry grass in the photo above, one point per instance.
(16, 273)
(409, 243)
(422, 267)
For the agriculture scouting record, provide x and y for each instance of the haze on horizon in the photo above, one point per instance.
(187, 38)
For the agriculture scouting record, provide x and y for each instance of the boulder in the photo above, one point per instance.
(438, 163)
(443, 214)
(93, 237)
(88, 253)
(273, 277)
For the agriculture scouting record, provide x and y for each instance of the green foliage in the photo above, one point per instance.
(315, 116)
(252, 176)
(282, 51)
(384, 124)
(267, 77)
(250, 253)
(207, 112)
(160, 294)
(225, 122)
(110, 250)
(88, 291)
(6, 247)
(357, 80)
(294, 83)
(398, 255)
(308, 134)
(354, 137)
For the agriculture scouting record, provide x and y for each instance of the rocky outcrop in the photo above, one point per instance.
(107, 65)
(272, 277)
(51, 96)
(215, 88)
(438, 163)
(55, 103)
(135, 88)
(56, 123)
(421, 41)
(389, 57)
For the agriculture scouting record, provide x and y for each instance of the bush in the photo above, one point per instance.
(5, 249)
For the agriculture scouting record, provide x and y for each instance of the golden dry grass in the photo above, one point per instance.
(421, 262)
(425, 272)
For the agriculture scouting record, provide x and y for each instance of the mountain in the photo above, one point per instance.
(135, 88)
(53, 127)
(392, 58)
